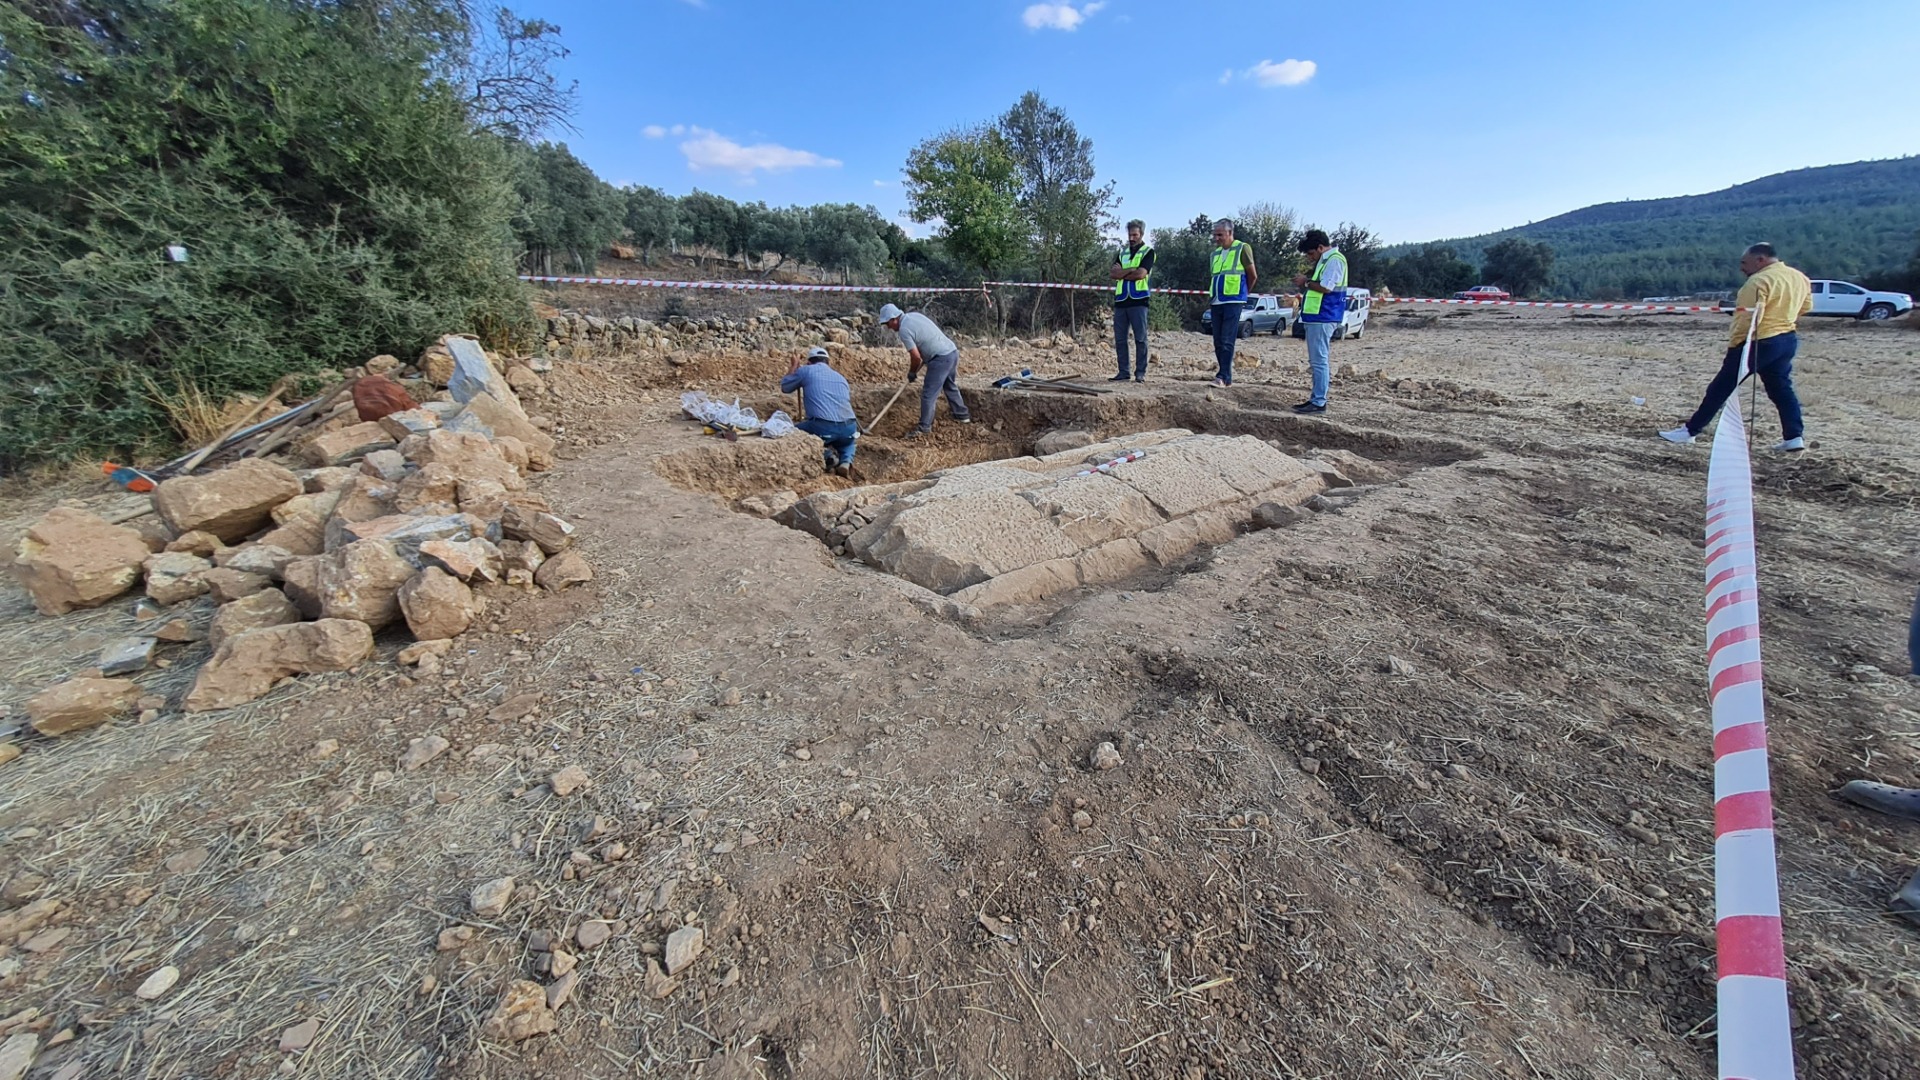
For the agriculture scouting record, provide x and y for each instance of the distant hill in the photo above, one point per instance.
(1844, 221)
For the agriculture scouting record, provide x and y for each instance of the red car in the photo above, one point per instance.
(1484, 292)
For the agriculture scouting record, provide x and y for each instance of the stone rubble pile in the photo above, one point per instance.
(398, 520)
(573, 336)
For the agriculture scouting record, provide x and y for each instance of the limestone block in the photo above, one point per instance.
(949, 543)
(230, 503)
(347, 444)
(72, 559)
(1092, 510)
(1115, 560)
(247, 665)
(1027, 585)
(268, 607)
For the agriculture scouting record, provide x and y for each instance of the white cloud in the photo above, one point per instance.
(654, 131)
(1284, 73)
(1059, 16)
(1226, 77)
(678, 130)
(883, 183)
(711, 150)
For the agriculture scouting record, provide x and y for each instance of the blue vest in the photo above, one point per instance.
(1327, 306)
(1229, 274)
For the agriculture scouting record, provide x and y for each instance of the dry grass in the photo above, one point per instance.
(198, 418)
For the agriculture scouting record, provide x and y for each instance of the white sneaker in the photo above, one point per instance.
(1678, 435)
(1789, 445)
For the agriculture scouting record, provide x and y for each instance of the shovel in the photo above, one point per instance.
(883, 409)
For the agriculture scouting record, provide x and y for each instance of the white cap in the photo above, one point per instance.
(816, 353)
(888, 313)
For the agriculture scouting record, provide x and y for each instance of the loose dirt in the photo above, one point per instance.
(1419, 786)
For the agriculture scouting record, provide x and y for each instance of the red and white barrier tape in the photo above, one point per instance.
(1755, 1040)
(1107, 466)
(775, 286)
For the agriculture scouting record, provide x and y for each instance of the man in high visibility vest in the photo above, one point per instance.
(1233, 279)
(1323, 306)
(1131, 269)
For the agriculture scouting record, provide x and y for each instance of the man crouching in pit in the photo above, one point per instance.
(826, 403)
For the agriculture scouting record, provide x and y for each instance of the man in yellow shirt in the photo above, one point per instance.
(1782, 294)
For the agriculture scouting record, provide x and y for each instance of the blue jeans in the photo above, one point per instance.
(1319, 341)
(839, 435)
(1131, 319)
(939, 375)
(1226, 331)
(1773, 363)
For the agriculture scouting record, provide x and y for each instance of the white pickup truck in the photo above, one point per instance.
(1844, 298)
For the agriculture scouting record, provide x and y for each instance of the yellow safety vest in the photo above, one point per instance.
(1132, 290)
(1229, 275)
(1310, 303)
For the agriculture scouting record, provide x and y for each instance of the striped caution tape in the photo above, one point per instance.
(1714, 309)
(744, 286)
(1755, 1041)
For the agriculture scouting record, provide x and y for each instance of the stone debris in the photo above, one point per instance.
(415, 653)
(78, 704)
(473, 560)
(17, 1054)
(563, 570)
(657, 983)
(548, 531)
(230, 503)
(268, 607)
(127, 655)
(437, 605)
(248, 665)
(362, 581)
(489, 899)
(569, 780)
(1393, 665)
(422, 750)
(683, 948)
(520, 561)
(8, 752)
(299, 1036)
(522, 1013)
(194, 542)
(517, 707)
(175, 576)
(342, 445)
(1105, 756)
(267, 560)
(72, 559)
(156, 985)
(454, 938)
(593, 933)
(226, 585)
(560, 991)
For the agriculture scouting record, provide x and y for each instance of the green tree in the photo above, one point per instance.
(567, 212)
(1433, 270)
(709, 220)
(316, 160)
(510, 86)
(968, 182)
(1272, 231)
(848, 238)
(652, 217)
(1522, 267)
(1066, 214)
(1366, 267)
(782, 233)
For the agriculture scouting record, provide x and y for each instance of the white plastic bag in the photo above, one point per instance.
(777, 425)
(708, 411)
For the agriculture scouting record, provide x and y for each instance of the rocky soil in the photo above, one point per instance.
(1412, 781)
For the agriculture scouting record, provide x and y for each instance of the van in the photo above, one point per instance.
(1359, 301)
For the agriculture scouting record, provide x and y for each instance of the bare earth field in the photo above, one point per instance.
(1419, 786)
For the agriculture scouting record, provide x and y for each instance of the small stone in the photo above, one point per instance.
(683, 758)
(562, 571)
(522, 1013)
(1457, 771)
(657, 984)
(1393, 665)
(517, 707)
(422, 750)
(177, 630)
(419, 651)
(454, 938)
(569, 780)
(437, 605)
(299, 1036)
(173, 577)
(186, 862)
(1563, 945)
(1082, 819)
(158, 983)
(79, 704)
(731, 697)
(8, 752)
(127, 655)
(490, 898)
(560, 991)
(1105, 757)
(1310, 766)
(195, 542)
(47, 940)
(560, 962)
(17, 1054)
(593, 933)
(683, 947)
(801, 753)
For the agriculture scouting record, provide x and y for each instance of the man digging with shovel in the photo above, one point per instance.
(929, 348)
(827, 403)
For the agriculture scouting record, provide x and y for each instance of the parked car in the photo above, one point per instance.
(1847, 299)
(1483, 292)
(1257, 314)
(1359, 302)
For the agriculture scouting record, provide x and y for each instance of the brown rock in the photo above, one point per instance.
(469, 560)
(331, 478)
(568, 780)
(230, 503)
(517, 707)
(362, 581)
(72, 559)
(512, 450)
(78, 704)
(8, 752)
(385, 465)
(400, 425)
(526, 381)
(346, 444)
(470, 456)
(593, 933)
(501, 413)
(522, 1013)
(268, 607)
(384, 364)
(565, 569)
(434, 485)
(489, 898)
(560, 991)
(317, 505)
(376, 396)
(436, 364)
(300, 581)
(420, 650)
(406, 532)
(175, 576)
(520, 560)
(226, 585)
(362, 500)
(246, 666)
(437, 605)
(266, 560)
(299, 1036)
(683, 948)
(422, 750)
(177, 630)
(519, 522)
(195, 542)
(300, 537)
(485, 499)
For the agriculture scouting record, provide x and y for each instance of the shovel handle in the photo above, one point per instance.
(883, 409)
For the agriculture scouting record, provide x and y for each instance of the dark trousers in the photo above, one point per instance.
(1913, 637)
(1773, 363)
(1226, 331)
(939, 374)
(839, 435)
(1131, 319)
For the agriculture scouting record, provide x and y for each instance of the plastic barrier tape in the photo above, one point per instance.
(1755, 1041)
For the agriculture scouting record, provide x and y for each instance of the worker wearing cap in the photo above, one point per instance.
(929, 348)
(1233, 280)
(828, 403)
(1323, 306)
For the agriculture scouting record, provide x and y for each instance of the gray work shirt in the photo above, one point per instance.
(919, 332)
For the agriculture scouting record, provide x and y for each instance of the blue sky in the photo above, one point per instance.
(1418, 120)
